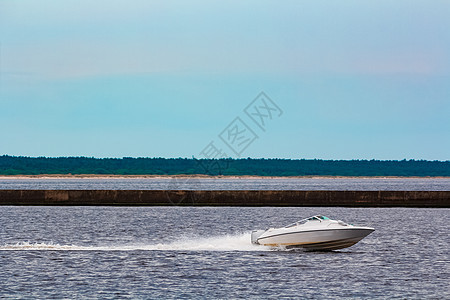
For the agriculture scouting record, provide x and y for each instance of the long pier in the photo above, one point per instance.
(225, 198)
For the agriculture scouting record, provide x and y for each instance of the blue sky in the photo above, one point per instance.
(354, 79)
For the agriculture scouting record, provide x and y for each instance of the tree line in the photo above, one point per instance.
(20, 165)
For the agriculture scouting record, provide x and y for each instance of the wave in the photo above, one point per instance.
(237, 242)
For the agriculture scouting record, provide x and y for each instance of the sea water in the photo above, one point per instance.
(227, 183)
(205, 252)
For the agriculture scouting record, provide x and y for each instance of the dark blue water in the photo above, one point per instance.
(205, 252)
(361, 184)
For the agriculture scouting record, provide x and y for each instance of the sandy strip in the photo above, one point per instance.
(202, 176)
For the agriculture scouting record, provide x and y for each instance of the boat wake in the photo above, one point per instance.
(238, 242)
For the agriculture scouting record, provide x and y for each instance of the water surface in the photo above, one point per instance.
(357, 184)
(205, 252)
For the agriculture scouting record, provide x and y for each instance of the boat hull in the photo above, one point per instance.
(327, 239)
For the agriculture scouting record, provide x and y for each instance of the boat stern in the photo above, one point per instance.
(255, 235)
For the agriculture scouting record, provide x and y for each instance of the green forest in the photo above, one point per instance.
(19, 165)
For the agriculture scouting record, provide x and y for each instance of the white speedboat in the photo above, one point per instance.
(314, 233)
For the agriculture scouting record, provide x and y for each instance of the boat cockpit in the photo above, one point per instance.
(313, 218)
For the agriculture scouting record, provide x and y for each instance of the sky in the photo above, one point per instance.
(263, 79)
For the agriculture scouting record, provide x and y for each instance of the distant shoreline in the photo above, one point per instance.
(202, 176)
(128, 167)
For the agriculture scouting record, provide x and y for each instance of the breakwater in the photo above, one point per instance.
(226, 198)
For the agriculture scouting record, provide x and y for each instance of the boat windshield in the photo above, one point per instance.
(314, 218)
(318, 218)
